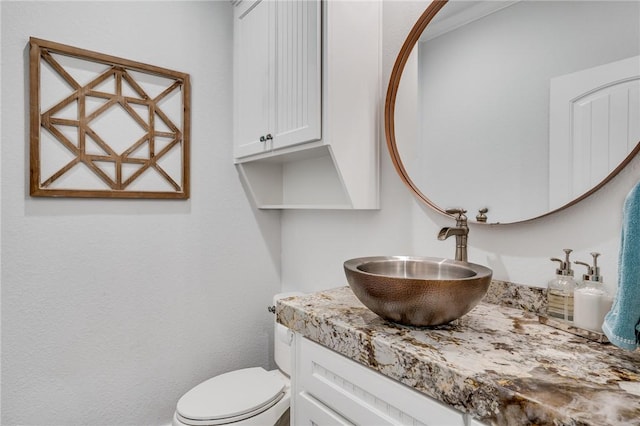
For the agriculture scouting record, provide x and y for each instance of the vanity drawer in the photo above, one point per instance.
(362, 395)
(313, 412)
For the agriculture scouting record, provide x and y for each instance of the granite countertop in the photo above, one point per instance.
(497, 363)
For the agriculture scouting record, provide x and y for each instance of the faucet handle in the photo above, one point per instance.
(460, 212)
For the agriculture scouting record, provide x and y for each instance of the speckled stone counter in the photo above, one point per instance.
(497, 363)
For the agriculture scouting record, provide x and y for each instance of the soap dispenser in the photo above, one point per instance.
(560, 290)
(591, 300)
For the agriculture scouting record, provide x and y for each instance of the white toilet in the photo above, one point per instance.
(251, 396)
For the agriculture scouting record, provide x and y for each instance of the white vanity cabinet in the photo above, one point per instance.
(330, 389)
(307, 102)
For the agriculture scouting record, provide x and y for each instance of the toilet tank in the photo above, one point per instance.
(282, 339)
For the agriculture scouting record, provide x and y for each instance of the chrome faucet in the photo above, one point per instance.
(461, 231)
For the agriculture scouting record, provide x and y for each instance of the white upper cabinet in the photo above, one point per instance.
(307, 102)
(277, 75)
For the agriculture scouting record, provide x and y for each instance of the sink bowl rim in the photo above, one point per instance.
(480, 271)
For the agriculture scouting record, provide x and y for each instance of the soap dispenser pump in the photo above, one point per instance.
(592, 302)
(592, 277)
(560, 290)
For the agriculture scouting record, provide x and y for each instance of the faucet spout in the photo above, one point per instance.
(449, 231)
(460, 231)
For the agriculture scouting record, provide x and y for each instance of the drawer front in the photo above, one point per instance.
(362, 395)
(311, 412)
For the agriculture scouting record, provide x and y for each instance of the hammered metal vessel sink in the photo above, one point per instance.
(417, 291)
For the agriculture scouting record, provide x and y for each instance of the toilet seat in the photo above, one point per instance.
(231, 397)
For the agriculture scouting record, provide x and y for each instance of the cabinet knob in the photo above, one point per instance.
(262, 139)
(269, 137)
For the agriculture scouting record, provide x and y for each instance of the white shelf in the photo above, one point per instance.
(307, 179)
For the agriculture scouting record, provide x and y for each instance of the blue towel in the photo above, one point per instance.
(622, 323)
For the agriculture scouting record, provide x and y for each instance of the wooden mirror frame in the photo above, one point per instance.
(389, 121)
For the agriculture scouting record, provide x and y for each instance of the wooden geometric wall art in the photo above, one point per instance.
(103, 126)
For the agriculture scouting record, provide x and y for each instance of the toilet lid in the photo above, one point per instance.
(231, 395)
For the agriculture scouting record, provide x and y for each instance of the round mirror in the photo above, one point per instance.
(519, 108)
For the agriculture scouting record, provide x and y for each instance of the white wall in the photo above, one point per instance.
(112, 309)
(315, 244)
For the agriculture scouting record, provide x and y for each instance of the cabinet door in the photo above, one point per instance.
(277, 75)
(253, 76)
(298, 73)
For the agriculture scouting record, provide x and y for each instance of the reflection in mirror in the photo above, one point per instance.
(520, 107)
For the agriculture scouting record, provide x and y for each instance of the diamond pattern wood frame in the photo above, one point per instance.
(106, 127)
